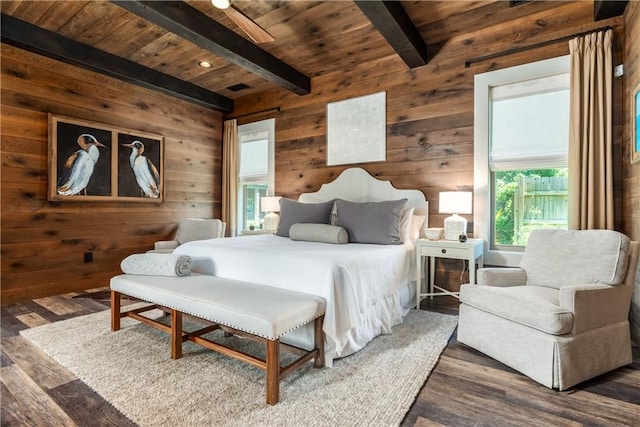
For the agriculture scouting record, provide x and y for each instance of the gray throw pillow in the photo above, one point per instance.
(292, 212)
(324, 233)
(372, 222)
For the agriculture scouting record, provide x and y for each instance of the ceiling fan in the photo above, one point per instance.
(246, 24)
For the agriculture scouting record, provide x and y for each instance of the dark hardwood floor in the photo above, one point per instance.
(466, 388)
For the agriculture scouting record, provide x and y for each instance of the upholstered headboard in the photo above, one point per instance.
(356, 185)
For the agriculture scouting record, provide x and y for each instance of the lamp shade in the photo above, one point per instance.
(455, 202)
(270, 204)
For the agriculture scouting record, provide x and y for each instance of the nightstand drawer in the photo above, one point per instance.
(445, 252)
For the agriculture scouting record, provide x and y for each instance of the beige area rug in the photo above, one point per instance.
(132, 369)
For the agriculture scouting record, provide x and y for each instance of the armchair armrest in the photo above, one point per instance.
(503, 276)
(166, 244)
(595, 306)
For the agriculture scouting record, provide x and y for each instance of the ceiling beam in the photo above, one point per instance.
(605, 9)
(392, 21)
(189, 23)
(44, 42)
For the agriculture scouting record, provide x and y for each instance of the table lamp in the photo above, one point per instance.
(455, 202)
(271, 205)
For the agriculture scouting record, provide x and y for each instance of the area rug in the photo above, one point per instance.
(132, 369)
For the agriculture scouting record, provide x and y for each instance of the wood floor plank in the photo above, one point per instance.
(42, 370)
(32, 406)
(86, 407)
(5, 360)
(27, 307)
(92, 305)
(424, 422)
(10, 325)
(59, 305)
(19, 308)
(32, 319)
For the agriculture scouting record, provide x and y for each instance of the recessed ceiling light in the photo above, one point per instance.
(221, 4)
(205, 64)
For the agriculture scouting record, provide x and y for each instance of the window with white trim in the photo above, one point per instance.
(521, 139)
(256, 176)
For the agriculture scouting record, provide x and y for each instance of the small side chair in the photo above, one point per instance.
(191, 229)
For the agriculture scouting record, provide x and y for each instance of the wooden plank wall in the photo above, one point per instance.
(430, 108)
(43, 243)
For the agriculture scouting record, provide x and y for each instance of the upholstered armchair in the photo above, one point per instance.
(191, 229)
(562, 316)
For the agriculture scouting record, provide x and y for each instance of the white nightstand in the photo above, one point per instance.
(471, 250)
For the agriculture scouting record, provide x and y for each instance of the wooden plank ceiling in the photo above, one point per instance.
(311, 37)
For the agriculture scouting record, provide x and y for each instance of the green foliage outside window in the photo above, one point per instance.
(506, 186)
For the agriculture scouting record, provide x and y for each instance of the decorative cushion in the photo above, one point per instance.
(586, 257)
(534, 306)
(372, 222)
(292, 212)
(324, 233)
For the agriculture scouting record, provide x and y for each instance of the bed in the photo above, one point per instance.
(368, 287)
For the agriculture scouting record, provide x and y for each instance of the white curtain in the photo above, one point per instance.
(230, 176)
(590, 133)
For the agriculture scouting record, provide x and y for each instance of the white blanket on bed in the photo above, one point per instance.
(360, 282)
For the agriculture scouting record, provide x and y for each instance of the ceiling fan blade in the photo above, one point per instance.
(253, 30)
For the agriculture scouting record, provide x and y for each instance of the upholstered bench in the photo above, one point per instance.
(262, 312)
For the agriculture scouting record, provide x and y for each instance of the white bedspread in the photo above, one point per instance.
(361, 283)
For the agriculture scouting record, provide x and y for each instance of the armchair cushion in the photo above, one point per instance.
(534, 306)
(558, 258)
(502, 276)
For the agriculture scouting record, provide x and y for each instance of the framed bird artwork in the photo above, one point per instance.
(91, 161)
(139, 166)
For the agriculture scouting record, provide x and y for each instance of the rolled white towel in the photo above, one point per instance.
(157, 264)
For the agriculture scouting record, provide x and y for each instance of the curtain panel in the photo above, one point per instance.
(591, 198)
(230, 176)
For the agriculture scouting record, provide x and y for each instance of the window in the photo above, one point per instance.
(521, 145)
(255, 172)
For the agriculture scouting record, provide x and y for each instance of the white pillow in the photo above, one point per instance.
(416, 227)
(405, 223)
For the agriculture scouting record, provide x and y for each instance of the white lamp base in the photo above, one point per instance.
(454, 226)
(271, 221)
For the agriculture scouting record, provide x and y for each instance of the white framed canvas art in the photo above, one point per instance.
(357, 130)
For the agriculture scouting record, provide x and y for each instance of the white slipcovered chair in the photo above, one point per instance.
(191, 229)
(562, 316)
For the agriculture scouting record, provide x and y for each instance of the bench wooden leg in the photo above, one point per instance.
(115, 311)
(273, 371)
(318, 336)
(176, 334)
